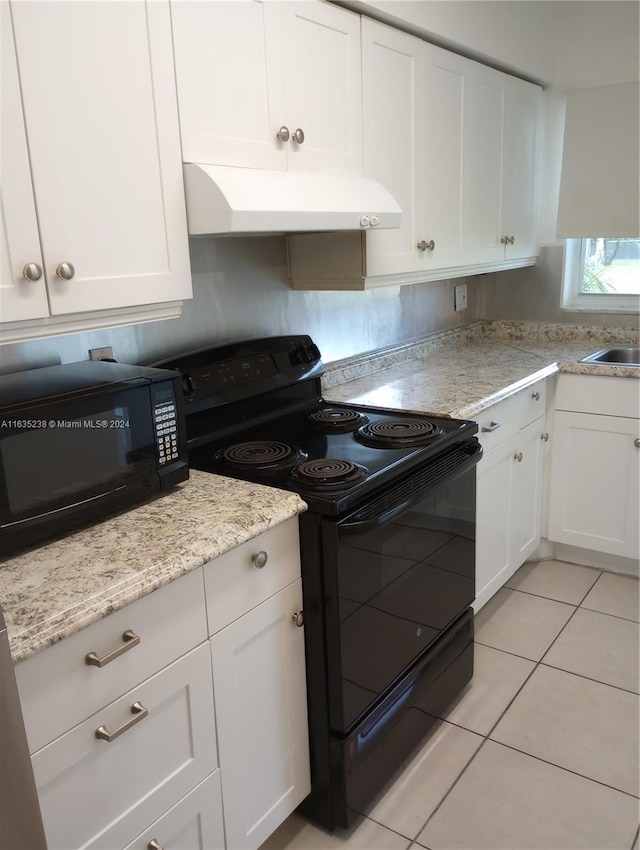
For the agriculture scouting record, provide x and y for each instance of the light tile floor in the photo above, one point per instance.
(541, 750)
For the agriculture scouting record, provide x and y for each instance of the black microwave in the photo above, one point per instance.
(82, 441)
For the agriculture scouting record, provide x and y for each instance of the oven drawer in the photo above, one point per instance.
(504, 419)
(241, 579)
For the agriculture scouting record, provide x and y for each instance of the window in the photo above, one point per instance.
(602, 275)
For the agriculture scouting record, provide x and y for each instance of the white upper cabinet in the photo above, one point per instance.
(392, 89)
(23, 293)
(269, 85)
(483, 116)
(457, 144)
(100, 114)
(521, 168)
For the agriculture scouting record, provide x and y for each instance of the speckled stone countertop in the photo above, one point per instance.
(461, 372)
(51, 592)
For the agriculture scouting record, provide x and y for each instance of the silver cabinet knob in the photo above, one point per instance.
(512, 240)
(65, 271)
(365, 221)
(298, 136)
(535, 396)
(426, 246)
(636, 442)
(545, 437)
(259, 559)
(283, 134)
(518, 456)
(298, 618)
(374, 220)
(32, 272)
(154, 845)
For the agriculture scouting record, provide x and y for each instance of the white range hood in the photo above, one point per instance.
(222, 199)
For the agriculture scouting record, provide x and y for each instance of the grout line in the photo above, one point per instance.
(566, 769)
(607, 614)
(589, 678)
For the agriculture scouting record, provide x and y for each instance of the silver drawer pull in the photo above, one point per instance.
(139, 713)
(493, 426)
(154, 845)
(259, 559)
(535, 395)
(518, 456)
(130, 639)
(298, 618)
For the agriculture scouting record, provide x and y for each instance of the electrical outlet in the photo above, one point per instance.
(460, 297)
(101, 353)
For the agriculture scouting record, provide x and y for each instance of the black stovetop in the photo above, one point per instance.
(252, 411)
(329, 454)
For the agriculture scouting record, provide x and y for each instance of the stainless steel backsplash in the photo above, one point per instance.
(241, 291)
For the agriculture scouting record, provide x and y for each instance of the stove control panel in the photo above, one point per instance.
(233, 371)
(304, 354)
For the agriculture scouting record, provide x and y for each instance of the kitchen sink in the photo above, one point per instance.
(622, 355)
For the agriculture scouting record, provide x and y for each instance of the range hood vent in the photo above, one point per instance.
(221, 199)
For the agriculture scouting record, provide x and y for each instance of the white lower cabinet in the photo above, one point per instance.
(110, 776)
(128, 749)
(195, 823)
(261, 712)
(595, 468)
(509, 488)
(259, 683)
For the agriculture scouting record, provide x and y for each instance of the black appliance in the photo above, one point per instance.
(387, 550)
(81, 441)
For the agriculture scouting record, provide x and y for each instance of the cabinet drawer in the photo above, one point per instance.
(59, 689)
(98, 794)
(504, 419)
(195, 822)
(234, 584)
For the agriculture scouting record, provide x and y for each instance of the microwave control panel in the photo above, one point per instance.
(165, 417)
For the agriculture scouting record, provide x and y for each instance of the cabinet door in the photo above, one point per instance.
(482, 154)
(526, 493)
(261, 716)
(101, 118)
(520, 175)
(594, 483)
(320, 52)
(228, 71)
(442, 153)
(392, 83)
(493, 521)
(19, 298)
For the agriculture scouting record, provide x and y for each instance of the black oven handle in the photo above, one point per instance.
(474, 453)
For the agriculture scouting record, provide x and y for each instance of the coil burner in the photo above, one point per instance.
(333, 419)
(398, 433)
(261, 456)
(328, 472)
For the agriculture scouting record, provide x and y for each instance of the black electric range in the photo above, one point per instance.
(387, 549)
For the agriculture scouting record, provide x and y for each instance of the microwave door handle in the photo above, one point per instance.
(474, 451)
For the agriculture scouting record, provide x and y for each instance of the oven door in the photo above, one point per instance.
(398, 572)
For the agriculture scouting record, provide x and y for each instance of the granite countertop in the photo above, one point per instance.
(462, 372)
(54, 591)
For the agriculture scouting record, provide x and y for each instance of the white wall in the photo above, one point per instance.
(596, 43)
(516, 36)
